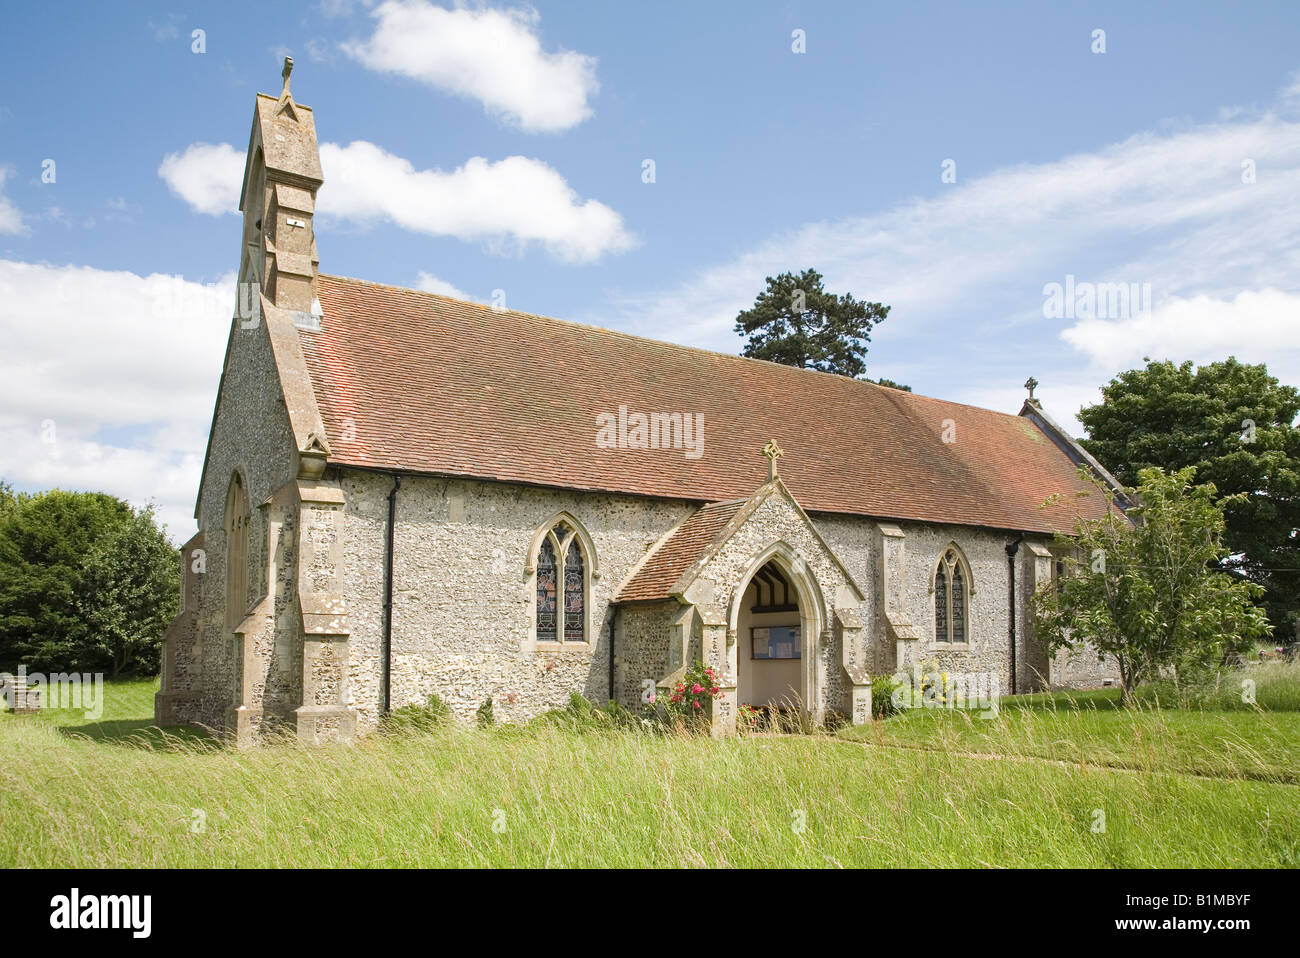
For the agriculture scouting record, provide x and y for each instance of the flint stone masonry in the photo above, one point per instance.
(462, 600)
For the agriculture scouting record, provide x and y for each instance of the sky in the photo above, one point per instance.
(644, 167)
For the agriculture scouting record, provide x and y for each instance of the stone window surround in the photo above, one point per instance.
(591, 571)
(968, 580)
(237, 521)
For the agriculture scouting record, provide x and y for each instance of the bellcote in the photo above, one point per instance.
(281, 176)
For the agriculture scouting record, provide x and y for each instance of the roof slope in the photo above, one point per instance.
(436, 385)
(655, 579)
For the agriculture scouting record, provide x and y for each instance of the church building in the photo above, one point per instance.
(405, 494)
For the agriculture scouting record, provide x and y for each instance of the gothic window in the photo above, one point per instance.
(546, 579)
(573, 593)
(561, 570)
(238, 520)
(951, 582)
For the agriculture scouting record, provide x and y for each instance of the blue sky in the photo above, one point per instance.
(1117, 167)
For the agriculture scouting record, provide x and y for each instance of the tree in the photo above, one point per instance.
(86, 584)
(129, 594)
(882, 381)
(797, 323)
(1233, 423)
(1148, 592)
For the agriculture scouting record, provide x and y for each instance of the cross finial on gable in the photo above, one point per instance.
(1031, 384)
(773, 453)
(288, 68)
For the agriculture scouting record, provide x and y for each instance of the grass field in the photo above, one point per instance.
(1222, 738)
(113, 793)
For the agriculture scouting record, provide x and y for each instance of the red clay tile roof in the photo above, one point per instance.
(435, 385)
(654, 579)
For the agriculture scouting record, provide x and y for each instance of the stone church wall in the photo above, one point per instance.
(252, 435)
(642, 648)
(462, 620)
(461, 597)
(988, 648)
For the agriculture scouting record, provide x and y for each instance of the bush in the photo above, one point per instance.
(747, 719)
(581, 716)
(484, 714)
(882, 695)
(87, 584)
(416, 719)
(1150, 594)
(695, 689)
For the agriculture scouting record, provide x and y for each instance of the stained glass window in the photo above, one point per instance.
(958, 606)
(561, 586)
(574, 630)
(546, 586)
(950, 600)
(941, 605)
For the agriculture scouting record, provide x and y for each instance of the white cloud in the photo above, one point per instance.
(1179, 195)
(429, 283)
(1290, 95)
(493, 56)
(11, 221)
(1254, 325)
(510, 203)
(341, 8)
(507, 205)
(167, 30)
(124, 367)
(207, 176)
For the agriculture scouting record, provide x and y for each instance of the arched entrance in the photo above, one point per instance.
(776, 620)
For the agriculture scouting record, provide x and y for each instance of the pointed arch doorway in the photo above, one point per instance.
(776, 620)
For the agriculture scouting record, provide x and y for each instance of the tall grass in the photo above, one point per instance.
(550, 795)
(1211, 730)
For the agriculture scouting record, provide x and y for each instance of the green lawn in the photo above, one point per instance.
(1223, 738)
(111, 794)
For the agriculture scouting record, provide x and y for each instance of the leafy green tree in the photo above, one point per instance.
(1147, 592)
(794, 321)
(129, 594)
(86, 584)
(891, 384)
(8, 500)
(1234, 424)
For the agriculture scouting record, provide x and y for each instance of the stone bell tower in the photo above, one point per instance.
(281, 177)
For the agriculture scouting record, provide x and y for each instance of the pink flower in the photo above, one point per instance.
(652, 698)
(713, 691)
(696, 689)
(697, 704)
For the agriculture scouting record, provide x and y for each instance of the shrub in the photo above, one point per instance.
(1150, 594)
(484, 714)
(882, 695)
(87, 584)
(581, 716)
(695, 689)
(416, 719)
(747, 719)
